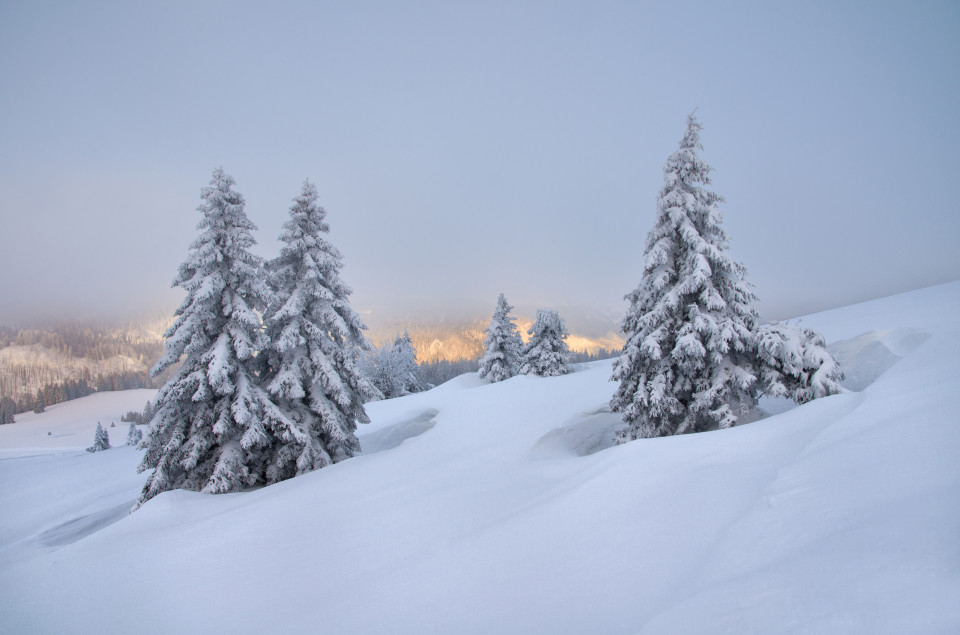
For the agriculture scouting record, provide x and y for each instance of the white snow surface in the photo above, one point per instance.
(502, 508)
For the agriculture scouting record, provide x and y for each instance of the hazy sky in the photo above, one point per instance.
(462, 149)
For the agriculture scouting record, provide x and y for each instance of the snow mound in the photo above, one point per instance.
(76, 528)
(391, 436)
(586, 434)
(866, 357)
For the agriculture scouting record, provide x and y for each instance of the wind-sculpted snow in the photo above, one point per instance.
(74, 529)
(865, 357)
(392, 436)
(585, 434)
(499, 508)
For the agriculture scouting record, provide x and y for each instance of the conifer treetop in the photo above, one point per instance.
(220, 277)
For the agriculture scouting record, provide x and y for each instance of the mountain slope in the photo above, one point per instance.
(499, 508)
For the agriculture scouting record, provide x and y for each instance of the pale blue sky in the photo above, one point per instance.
(467, 148)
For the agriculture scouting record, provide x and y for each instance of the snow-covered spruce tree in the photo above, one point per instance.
(8, 408)
(501, 355)
(795, 363)
(545, 353)
(377, 366)
(407, 373)
(214, 428)
(393, 369)
(39, 406)
(101, 440)
(688, 363)
(147, 414)
(312, 366)
(134, 435)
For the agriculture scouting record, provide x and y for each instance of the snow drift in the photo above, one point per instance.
(481, 508)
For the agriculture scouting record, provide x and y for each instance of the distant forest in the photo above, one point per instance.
(436, 372)
(42, 366)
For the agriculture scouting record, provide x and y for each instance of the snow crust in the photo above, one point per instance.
(479, 508)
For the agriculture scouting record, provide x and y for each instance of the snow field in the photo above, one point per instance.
(482, 508)
(71, 424)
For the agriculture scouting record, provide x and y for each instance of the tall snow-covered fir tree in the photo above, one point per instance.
(545, 353)
(502, 346)
(315, 338)
(215, 429)
(689, 360)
